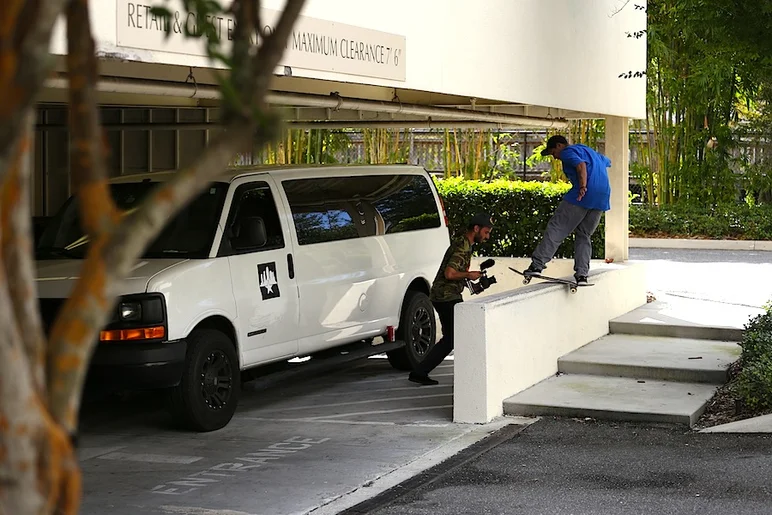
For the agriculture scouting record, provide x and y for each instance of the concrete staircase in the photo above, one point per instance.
(660, 363)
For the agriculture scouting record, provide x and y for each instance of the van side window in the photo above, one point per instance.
(338, 208)
(253, 222)
(411, 207)
(323, 222)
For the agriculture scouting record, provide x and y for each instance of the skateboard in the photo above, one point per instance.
(573, 285)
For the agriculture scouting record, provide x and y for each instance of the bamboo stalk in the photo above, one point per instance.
(446, 154)
(318, 156)
(457, 150)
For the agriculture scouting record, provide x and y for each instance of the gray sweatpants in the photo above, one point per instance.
(568, 218)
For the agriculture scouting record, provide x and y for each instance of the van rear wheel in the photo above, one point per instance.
(417, 328)
(206, 398)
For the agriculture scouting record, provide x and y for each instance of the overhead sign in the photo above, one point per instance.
(315, 44)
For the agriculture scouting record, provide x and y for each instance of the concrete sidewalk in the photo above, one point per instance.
(762, 424)
(695, 244)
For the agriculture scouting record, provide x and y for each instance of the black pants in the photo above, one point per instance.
(443, 347)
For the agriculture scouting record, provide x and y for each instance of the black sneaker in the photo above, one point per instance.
(581, 279)
(422, 380)
(531, 270)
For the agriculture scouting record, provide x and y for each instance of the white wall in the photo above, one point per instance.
(555, 53)
(509, 341)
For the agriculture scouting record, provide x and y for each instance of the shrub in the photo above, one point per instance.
(736, 221)
(754, 383)
(520, 210)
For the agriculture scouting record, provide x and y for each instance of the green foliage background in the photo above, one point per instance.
(521, 211)
(731, 221)
(754, 384)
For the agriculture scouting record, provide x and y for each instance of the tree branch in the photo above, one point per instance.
(17, 253)
(25, 35)
(72, 338)
(20, 422)
(109, 261)
(242, 76)
(272, 50)
(619, 9)
(117, 247)
(87, 147)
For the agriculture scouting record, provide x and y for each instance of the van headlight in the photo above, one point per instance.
(130, 311)
(137, 318)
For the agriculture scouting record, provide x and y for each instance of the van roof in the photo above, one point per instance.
(290, 171)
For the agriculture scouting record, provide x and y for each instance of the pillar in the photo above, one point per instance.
(617, 219)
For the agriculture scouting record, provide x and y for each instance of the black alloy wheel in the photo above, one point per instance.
(417, 328)
(208, 393)
(217, 380)
(422, 331)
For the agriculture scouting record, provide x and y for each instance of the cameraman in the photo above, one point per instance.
(446, 292)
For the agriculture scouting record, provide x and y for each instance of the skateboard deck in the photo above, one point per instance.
(573, 285)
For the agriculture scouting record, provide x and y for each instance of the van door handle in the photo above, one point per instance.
(291, 266)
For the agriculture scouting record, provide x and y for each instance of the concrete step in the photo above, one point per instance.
(613, 398)
(684, 318)
(646, 357)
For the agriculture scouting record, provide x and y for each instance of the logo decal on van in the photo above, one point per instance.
(269, 287)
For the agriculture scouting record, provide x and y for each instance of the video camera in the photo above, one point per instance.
(484, 282)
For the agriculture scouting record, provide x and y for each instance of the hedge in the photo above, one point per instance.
(738, 221)
(520, 210)
(754, 383)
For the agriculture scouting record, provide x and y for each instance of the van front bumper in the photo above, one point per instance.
(138, 365)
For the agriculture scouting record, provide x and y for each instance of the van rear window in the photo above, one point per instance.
(337, 208)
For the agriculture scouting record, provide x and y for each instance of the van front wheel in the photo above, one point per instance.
(417, 328)
(206, 398)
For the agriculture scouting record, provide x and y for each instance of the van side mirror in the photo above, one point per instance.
(248, 233)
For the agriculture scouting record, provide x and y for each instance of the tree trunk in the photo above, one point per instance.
(41, 379)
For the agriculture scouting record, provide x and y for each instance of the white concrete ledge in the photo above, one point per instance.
(511, 340)
(683, 243)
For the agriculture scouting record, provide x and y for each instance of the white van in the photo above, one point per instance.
(267, 264)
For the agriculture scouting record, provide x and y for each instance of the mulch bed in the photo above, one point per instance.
(725, 407)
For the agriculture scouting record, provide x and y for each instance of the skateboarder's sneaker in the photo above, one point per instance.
(422, 380)
(580, 279)
(531, 270)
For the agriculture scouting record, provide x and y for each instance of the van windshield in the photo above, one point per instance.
(187, 235)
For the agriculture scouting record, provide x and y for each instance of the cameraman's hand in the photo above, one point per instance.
(474, 275)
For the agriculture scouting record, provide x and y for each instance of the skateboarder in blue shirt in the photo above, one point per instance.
(581, 208)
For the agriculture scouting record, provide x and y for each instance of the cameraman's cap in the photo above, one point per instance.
(481, 219)
(553, 143)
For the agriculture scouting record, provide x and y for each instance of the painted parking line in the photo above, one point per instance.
(380, 412)
(352, 403)
(150, 458)
(87, 453)
(193, 510)
(387, 380)
(337, 392)
(350, 422)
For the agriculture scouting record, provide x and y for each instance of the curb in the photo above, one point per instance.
(693, 244)
(434, 473)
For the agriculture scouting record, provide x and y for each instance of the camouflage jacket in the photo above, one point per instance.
(459, 257)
